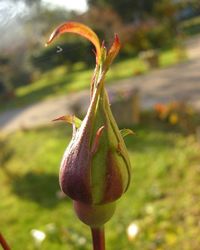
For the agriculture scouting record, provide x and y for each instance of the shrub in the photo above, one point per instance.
(66, 53)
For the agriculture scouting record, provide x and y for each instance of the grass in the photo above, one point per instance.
(163, 199)
(60, 81)
(191, 27)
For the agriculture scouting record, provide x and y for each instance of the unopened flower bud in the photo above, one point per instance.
(95, 169)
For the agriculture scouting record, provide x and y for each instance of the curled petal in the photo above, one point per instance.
(80, 29)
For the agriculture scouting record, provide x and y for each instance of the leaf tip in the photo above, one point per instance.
(61, 118)
(52, 36)
(117, 40)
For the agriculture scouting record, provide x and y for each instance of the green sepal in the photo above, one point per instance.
(124, 132)
(72, 119)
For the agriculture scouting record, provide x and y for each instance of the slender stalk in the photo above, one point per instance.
(3, 243)
(98, 238)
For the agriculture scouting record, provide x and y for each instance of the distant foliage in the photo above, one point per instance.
(154, 28)
(65, 53)
(128, 10)
(147, 35)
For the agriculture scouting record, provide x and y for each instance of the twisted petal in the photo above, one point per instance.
(80, 29)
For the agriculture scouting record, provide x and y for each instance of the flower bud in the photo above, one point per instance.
(95, 169)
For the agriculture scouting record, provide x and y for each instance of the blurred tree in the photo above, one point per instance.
(5, 87)
(104, 20)
(188, 9)
(29, 2)
(35, 29)
(70, 53)
(145, 24)
(137, 10)
(128, 10)
(165, 9)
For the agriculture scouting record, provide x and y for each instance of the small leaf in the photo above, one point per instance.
(80, 29)
(124, 132)
(72, 119)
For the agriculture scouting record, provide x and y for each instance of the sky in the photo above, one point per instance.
(14, 13)
(11, 16)
(78, 5)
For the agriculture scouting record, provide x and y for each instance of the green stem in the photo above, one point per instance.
(98, 238)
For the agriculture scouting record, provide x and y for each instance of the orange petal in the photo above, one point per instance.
(80, 29)
(114, 50)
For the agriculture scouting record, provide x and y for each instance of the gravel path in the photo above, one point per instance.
(180, 82)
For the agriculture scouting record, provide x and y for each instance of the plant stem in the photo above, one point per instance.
(3, 243)
(98, 238)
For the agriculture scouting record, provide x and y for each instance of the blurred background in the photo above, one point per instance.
(154, 88)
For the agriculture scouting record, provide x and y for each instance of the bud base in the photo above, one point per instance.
(94, 215)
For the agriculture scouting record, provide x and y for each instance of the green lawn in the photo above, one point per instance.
(163, 199)
(61, 81)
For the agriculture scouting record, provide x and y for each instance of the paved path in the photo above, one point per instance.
(180, 82)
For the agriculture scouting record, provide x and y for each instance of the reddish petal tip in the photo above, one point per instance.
(61, 118)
